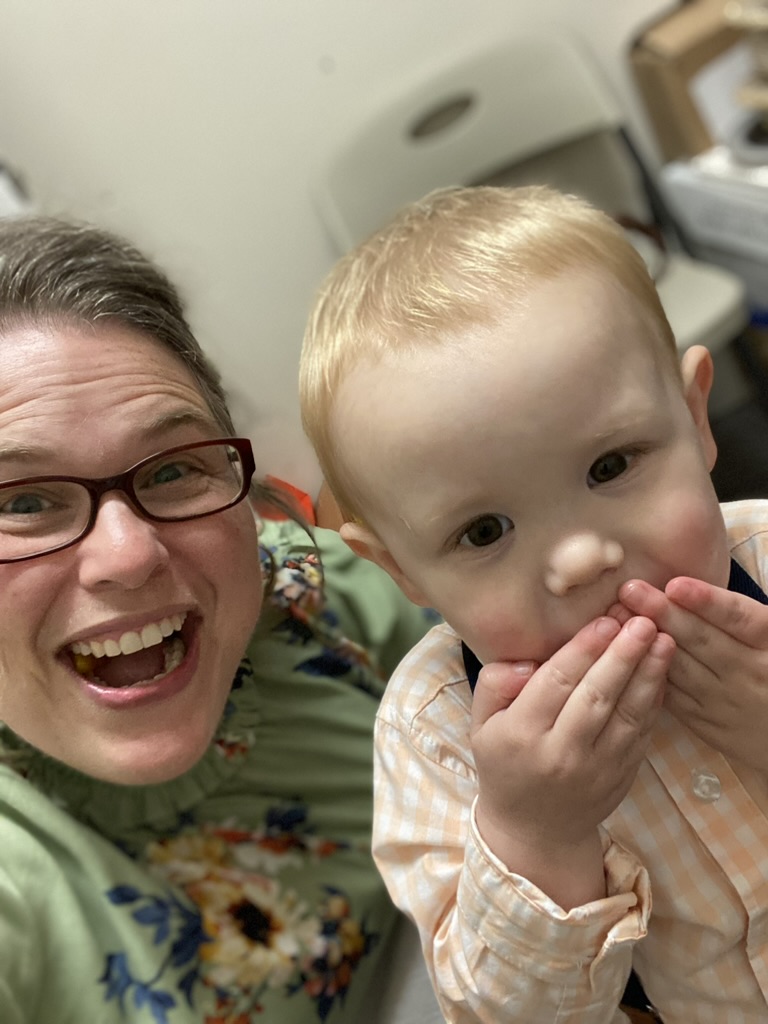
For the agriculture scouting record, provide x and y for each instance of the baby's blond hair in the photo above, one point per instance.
(458, 258)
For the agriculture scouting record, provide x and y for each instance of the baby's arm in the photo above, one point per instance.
(499, 950)
(558, 759)
(718, 679)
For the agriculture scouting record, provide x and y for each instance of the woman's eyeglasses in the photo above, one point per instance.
(41, 514)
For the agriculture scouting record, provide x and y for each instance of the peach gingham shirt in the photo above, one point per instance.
(692, 834)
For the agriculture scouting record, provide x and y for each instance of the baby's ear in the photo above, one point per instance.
(698, 373)
(366, 544)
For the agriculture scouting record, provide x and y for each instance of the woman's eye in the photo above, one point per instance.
(485, 530)
(24, 505)
(168, 473)
(608, 467)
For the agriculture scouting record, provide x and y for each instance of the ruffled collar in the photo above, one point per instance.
(130, 815)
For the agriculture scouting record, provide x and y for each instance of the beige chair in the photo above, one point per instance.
(522, 109)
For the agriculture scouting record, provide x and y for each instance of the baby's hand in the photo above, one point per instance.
(718, 679)
(556, 751)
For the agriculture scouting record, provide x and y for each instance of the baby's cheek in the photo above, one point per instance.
(694, 541)
(498, 631)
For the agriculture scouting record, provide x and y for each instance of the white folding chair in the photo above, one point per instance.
(523, 109)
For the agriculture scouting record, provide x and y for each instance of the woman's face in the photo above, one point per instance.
(91, 402)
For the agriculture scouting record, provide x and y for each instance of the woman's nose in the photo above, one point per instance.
(580, 559)
(123, 549)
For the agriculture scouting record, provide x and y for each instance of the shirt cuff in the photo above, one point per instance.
(518, 921)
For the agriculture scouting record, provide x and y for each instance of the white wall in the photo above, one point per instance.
(194, 126)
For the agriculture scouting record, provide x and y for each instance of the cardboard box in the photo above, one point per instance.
(688, 67)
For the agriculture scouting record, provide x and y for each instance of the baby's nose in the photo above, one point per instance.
(581, 559)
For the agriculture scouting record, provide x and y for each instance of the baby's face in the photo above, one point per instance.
(516, 477)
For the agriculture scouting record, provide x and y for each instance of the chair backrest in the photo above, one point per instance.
(529, 108)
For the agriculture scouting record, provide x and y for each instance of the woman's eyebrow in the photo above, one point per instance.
(23, 452)
(163, 422)
(17, 451)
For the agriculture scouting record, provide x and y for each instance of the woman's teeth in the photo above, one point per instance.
(132, 641)
(98, 661)
(173, 655)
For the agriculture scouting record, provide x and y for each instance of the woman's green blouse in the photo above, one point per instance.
(243, 891)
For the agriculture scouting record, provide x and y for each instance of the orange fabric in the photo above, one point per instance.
(300, 499)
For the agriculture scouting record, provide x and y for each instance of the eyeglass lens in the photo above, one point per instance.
(36, 517)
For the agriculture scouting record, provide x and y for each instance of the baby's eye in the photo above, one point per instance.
(608, 467)
(485, 530)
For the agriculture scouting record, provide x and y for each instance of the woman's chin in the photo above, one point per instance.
(149, 761)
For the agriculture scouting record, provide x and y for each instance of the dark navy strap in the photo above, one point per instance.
(472, 665)
(740, 582)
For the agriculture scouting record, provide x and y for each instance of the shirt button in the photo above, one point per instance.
(706, 785)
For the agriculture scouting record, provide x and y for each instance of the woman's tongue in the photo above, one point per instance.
(126, 669)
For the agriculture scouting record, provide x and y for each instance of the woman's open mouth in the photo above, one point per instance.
(135, 657)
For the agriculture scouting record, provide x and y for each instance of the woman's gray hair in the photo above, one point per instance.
(55, 272)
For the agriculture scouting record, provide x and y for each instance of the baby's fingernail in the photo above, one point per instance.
(606, 627)
(643, 629)
(662, 645)
(525, 668)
